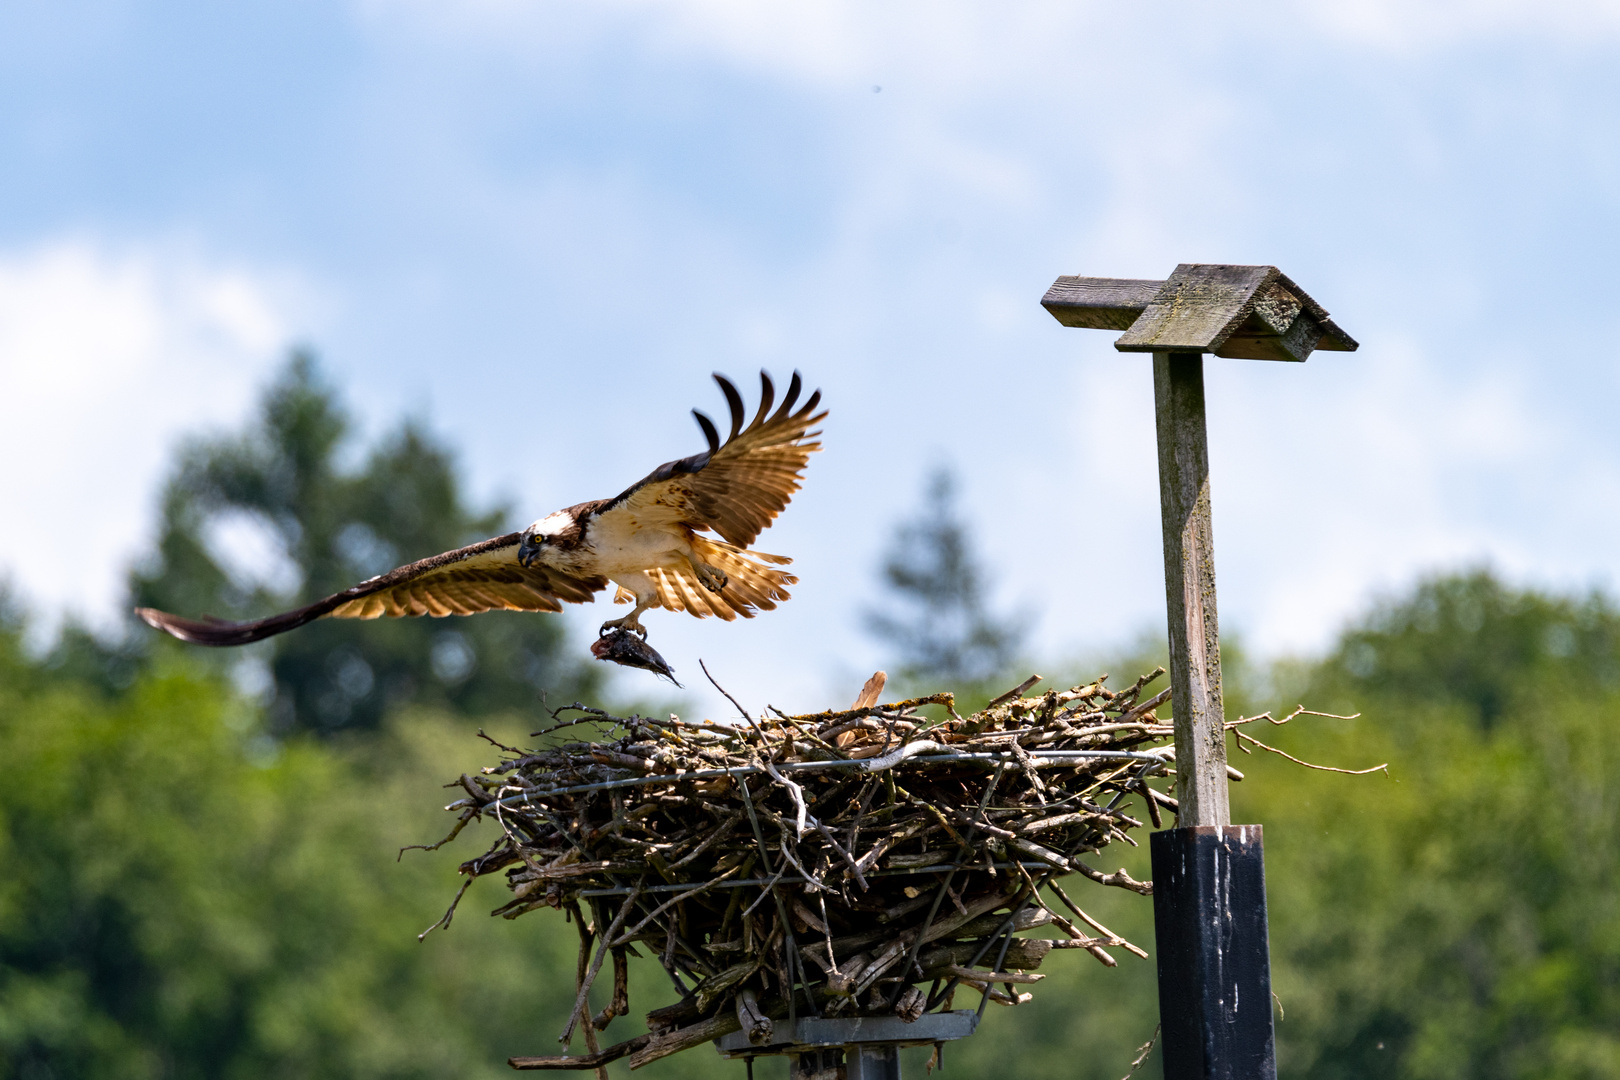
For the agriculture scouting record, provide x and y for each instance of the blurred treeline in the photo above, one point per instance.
(198, 872)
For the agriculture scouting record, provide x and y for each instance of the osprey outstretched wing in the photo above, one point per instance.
(647, 540)
(485, 576)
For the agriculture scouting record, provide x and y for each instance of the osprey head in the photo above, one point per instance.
(529, 547)
(541, 534)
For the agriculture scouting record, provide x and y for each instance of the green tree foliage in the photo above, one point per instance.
(935, 614)
(268, 519)
(1462, 919)
(1470, 641)
(184, 898)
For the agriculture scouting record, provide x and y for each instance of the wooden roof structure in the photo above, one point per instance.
(1244, 312)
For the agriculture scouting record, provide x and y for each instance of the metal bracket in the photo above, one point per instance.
(870, 1045)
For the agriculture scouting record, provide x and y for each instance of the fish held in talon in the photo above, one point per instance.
(678, 539)
(624, 647)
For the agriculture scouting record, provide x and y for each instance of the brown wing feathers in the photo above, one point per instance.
(218, 632)
(738, 488)
(481, 577)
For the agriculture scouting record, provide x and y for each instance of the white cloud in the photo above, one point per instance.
(1414, 26)
(835, 43)
(963, 50)
(1360, 473)
(107, 355)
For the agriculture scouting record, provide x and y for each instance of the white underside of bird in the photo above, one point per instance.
(631, 554)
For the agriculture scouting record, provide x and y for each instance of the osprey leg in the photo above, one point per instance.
(631, 621)
(709, 577)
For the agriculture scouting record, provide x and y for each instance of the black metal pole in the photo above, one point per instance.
(1209, 916)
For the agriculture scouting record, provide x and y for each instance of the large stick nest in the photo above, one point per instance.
(833, 864)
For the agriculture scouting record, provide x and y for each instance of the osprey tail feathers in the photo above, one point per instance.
(752, 582)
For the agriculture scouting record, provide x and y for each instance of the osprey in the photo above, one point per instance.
(647, 540)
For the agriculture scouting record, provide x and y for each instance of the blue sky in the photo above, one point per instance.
(541, 225)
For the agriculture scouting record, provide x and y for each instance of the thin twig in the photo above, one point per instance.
(449, 913)
(1242, 738)
(733, 701)
(629, 935)
(596, 964)
(1142, 1053)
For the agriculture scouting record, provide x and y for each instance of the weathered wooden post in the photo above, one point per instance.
(1209, 897)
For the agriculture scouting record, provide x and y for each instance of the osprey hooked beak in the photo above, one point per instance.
(529, 549)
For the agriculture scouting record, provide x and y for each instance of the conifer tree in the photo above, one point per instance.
(268, 518)
(935, 614)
